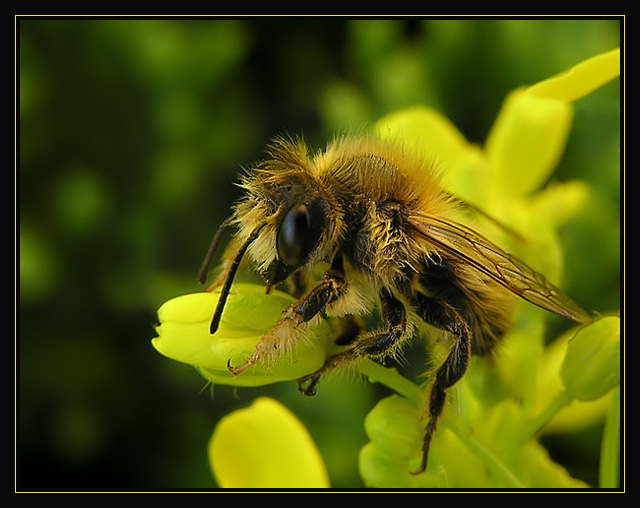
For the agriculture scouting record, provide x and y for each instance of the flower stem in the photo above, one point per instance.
(392, 379)
(538, 423)
(610, 452)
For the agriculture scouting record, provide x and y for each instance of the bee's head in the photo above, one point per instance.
(285, 221)
(295, 212)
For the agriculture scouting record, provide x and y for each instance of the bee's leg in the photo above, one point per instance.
(290, 327)
(376, 344)
(443, 316)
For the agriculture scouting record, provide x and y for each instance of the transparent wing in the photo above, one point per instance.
(469, 247)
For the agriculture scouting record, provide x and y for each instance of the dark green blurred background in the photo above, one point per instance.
(131, 133)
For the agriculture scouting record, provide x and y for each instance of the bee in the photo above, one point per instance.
(376, 221)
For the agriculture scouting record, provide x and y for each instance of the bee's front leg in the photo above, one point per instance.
(292, 324)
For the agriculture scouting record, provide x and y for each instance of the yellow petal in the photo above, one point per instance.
(540, 471)
(527, 141)
(424, 130)
(431, 135)
(559, 202)
(265, 446)
(581, 79)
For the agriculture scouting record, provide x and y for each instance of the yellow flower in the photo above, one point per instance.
(183, 335)
(265, 446)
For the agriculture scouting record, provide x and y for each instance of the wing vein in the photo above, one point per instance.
(485, 257)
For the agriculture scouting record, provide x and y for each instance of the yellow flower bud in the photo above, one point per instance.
(592, 364)
(183, 335)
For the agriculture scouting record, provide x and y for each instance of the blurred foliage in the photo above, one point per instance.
(130, 135)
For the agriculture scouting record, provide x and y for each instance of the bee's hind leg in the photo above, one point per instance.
(377, 344)
(445, 317)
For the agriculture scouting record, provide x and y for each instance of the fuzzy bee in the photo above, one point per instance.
(377, 222)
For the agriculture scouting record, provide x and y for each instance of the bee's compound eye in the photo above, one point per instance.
(294, 236)
(298, 235)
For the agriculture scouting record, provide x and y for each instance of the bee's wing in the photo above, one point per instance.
(469, 247)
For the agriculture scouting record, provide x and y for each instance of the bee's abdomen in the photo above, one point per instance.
(482, 304)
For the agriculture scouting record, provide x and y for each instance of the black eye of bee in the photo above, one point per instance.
(299, 233)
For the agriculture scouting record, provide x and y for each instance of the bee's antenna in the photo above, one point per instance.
(224, 293)
(215, 242)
